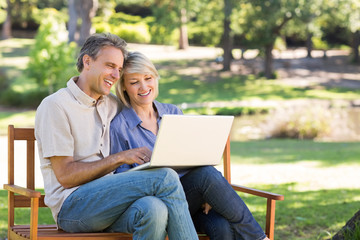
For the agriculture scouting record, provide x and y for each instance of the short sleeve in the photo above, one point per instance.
(52, 130)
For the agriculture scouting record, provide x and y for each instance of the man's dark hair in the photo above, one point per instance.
(96, 42)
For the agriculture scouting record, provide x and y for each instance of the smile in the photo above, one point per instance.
(145, 94)
(108, 82)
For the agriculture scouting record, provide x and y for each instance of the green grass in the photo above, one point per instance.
(307, 215)
(18, 119)
(304, 214)
(14, 56)
(327, 154)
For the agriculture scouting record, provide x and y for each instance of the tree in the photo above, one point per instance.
(6, 28)
(349, 228)
(306, 25)
(172, 15)
(18, 13)
(227, 38)
(345, 15)
(183, 38)
(199, 20)
(262, 22)
(86, 10)
(72, 23)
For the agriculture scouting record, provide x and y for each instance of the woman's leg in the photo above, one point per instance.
(96, 205)
(206, 184)
(214, 225)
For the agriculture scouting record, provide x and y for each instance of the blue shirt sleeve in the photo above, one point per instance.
(117, 142)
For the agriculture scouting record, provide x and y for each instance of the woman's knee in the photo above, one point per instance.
(207, 173)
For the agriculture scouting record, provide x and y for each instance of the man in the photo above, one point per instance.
(72, 130)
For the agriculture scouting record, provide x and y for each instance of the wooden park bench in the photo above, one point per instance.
(28, 197)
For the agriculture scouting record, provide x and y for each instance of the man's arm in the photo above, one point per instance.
(72, 173)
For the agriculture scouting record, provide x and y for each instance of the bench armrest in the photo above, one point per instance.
(22, 191)
(257, 192)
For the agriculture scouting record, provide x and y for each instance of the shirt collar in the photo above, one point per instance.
(160, 109)
(80, 95)
(132, 118)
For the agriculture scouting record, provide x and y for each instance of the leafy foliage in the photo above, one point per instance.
(131, 28)
(52, 59)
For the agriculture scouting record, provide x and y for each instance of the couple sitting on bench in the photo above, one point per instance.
(87, 188)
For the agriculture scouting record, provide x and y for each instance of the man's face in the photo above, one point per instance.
(104, 71)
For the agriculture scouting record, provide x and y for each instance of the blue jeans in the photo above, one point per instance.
(229, 217)
(149, 204)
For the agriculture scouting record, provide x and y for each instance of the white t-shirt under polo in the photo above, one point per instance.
(71, 123)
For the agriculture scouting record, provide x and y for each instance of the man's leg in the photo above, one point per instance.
(96, 205)
(206, 184)
(146, 218)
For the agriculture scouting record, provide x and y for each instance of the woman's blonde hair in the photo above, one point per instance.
(135, 62)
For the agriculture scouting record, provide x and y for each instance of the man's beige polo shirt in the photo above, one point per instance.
(71, 123)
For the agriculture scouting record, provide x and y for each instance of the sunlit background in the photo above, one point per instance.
(288, 70)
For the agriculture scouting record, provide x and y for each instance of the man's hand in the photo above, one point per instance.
(71, 173)
(136, 155)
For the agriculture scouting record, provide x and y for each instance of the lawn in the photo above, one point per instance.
(316, 178)
(308, 212)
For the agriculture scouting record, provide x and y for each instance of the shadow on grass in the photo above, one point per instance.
(291, 151)
(306, 214)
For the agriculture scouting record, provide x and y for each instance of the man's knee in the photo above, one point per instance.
(152, 211)
(170, 175)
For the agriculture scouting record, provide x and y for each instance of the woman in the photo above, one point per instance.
(215, 207)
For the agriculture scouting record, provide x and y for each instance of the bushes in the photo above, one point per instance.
(305, 123)
(131, 28)
(52, 59)
(234, 111)
(30, 98)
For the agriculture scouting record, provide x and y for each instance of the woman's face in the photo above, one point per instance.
(141, 88)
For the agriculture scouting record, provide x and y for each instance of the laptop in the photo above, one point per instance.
(186, 141)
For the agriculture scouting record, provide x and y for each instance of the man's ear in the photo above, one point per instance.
(86, 61)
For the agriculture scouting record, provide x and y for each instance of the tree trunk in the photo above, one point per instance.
(183, 40)
(72, 24)
(88, 10)
(268, 68)
(309, 45)
(356, 42)
(227, 40)
(349, 226)
(6, 28)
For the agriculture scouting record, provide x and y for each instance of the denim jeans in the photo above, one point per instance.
(229, 217)
(149, 204)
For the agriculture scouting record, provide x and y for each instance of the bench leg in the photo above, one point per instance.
(270, 218)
